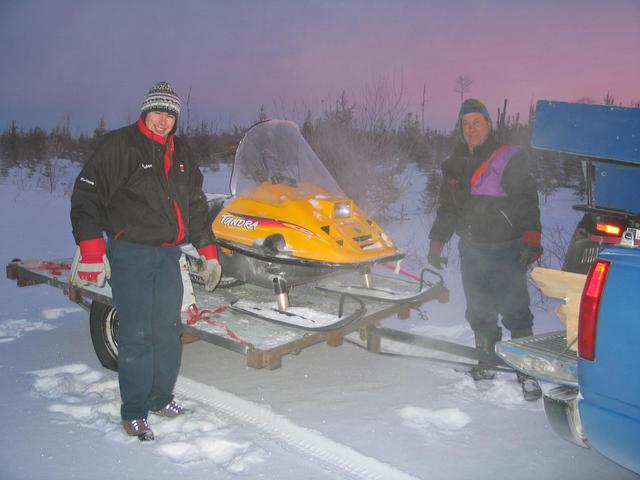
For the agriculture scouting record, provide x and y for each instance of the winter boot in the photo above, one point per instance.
(138, 428)
(170, 410)
(530, 388)
(485, 341)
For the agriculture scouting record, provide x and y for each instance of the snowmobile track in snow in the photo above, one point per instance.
(334, 455)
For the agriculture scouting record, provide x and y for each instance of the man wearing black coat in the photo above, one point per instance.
(489, 198)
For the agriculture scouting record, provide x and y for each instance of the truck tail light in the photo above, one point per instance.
(589, 305)
(609, 229)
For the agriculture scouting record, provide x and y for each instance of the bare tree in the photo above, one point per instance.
(262, 114)
(424, 102)
(608, 99)
(290, 109)
(188, 105)
(382, 105)
(57, 145)
(357, 143)
(463, 84)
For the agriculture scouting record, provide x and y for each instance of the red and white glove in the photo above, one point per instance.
(531, 240)
(212, 270)
(93, 267)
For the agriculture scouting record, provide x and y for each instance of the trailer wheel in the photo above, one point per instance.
(103, 324)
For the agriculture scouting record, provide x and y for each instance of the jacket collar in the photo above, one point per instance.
(482, 152)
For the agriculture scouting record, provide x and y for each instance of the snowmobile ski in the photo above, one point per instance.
(372, 293)
(304, 318)
(384, 288)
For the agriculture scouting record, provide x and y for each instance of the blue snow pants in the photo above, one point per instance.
(494, 278)
(147, 294)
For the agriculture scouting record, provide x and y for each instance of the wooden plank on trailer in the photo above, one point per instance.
(566, 286)
(556, 283)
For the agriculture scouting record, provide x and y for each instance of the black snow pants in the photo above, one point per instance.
(495, 284)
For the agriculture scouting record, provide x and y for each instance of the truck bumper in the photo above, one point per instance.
(561, 408)
(545, 357)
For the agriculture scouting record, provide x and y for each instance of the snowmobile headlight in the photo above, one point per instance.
(341, 210)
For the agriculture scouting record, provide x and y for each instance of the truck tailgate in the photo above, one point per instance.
(544, 356)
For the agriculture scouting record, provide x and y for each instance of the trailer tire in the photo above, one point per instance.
(103, 325)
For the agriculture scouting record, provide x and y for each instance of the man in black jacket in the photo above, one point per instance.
(489, 197)
(142, 188)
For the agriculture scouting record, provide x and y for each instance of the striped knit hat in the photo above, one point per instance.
(161, 98)
(472, 105)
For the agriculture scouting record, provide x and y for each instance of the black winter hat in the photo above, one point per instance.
(161, 98)
(471, 105)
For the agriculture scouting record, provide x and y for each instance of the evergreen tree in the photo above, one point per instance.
(101, 129)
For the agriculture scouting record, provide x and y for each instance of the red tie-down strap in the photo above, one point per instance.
(56, 269)
(401, 272)
(196, 315)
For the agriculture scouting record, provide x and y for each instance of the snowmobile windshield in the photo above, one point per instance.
(275, 151)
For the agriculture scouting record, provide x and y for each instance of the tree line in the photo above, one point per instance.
(20, 148)
(365, 145)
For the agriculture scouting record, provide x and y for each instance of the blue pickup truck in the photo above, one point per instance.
(594, 397)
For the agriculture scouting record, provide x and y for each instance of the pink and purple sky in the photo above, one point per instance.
(93, 58)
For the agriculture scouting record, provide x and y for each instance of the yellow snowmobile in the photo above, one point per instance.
(287, 222)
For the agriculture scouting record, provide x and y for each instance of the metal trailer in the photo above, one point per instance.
(207, 316)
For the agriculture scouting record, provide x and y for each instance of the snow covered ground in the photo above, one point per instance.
(328, 413)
